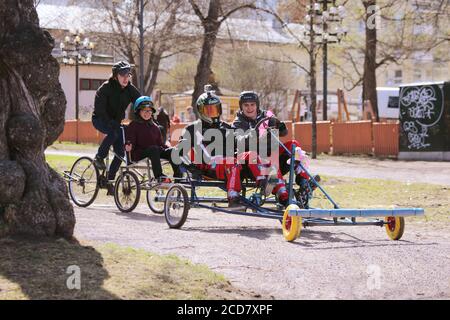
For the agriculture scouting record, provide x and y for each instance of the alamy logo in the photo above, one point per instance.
(374, 279)
(73, 282)
(373, 17)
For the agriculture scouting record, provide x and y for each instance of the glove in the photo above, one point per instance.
(283, 129)
(274, 122)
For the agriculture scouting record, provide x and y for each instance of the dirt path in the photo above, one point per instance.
(324, 263)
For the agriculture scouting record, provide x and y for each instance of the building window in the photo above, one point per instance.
(398, 75)
(90, 84)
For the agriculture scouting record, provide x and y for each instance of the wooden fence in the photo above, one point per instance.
(357, 137)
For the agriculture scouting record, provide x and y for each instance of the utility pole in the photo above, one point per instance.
(141, 46)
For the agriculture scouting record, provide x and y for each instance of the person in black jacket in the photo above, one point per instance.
(246, 119)
(211, 143)
(111, 101)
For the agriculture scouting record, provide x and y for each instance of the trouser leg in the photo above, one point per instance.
(154, 154)
(119, 150)
(166, 154)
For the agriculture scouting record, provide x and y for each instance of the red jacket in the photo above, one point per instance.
(143, 135)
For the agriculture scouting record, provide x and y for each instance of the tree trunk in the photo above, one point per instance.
(313, 87)
(211, 27)
(33, 197)
(204, 65)
(370, 64)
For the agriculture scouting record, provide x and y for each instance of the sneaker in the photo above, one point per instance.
(110, 188)
(99, 163)
(163, 179)
(234, 203)
(283, 198)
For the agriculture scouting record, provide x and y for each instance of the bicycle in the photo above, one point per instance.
(85, 180)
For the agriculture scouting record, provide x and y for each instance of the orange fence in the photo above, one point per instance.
(385, 139)
(365, 137)
(352, 137)
(86, 132)
(303, 134)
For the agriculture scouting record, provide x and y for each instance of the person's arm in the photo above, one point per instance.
(101, 103)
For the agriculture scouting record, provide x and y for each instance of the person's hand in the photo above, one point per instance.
(128, 146)
(274, 123)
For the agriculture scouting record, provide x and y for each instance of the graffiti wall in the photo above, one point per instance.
(425, 118)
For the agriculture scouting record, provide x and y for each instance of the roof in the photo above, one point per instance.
(224, 93)
(92, 20)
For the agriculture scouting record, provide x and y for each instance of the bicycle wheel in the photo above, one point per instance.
(176, 207)
(83, 182)
(155, 199)
(127, 191)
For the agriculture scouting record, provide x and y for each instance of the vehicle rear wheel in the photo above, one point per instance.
(176, 206)
(83, 182)
(127, 191)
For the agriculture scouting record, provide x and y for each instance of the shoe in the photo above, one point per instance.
(234, 204)
(163, 179)
(110, 188)
(283, 199)
(99, 163)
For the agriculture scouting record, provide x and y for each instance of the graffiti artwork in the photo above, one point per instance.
(421, 115)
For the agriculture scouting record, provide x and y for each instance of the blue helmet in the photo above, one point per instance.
(142, 102)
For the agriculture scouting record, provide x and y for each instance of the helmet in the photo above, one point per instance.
(121, 68)
(248, 96)
(208, 107)
(142, 102)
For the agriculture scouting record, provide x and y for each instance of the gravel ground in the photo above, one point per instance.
(324, 263)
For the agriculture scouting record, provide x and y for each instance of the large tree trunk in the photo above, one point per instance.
(33, 197)
(211, 25)
(204, 66)
(370, 64)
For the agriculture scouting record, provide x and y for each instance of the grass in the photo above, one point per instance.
(38, 269)
(348, 193)
(377, 193)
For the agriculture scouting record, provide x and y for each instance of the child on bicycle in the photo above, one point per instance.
(143, 137)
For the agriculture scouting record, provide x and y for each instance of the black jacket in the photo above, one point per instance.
(190, 139)
(111, 100)
(244, 123)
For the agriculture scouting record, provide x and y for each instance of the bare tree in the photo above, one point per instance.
(211, 22)
(160, 33)
(33, 197)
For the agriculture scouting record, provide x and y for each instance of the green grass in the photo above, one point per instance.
(37, 269)
(377, 193)
(60, 163)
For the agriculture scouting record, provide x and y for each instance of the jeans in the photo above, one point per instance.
(113, 138)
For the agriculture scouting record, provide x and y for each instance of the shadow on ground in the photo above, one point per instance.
(40, 269)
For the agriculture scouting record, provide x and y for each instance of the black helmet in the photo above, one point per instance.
(209, 107)
(122, 68)
(248, 96)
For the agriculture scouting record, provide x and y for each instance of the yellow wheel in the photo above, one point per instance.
(395, 226)
(291, 225)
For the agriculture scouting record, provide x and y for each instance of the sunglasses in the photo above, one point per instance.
(146, 110)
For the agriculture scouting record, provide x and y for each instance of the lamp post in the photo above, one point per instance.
(327, 28)
(76, 51)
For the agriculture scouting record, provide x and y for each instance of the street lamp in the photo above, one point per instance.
(76, 51)
(326, 28)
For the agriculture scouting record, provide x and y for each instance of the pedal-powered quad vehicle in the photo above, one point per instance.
(184, 195)
(85, 180)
